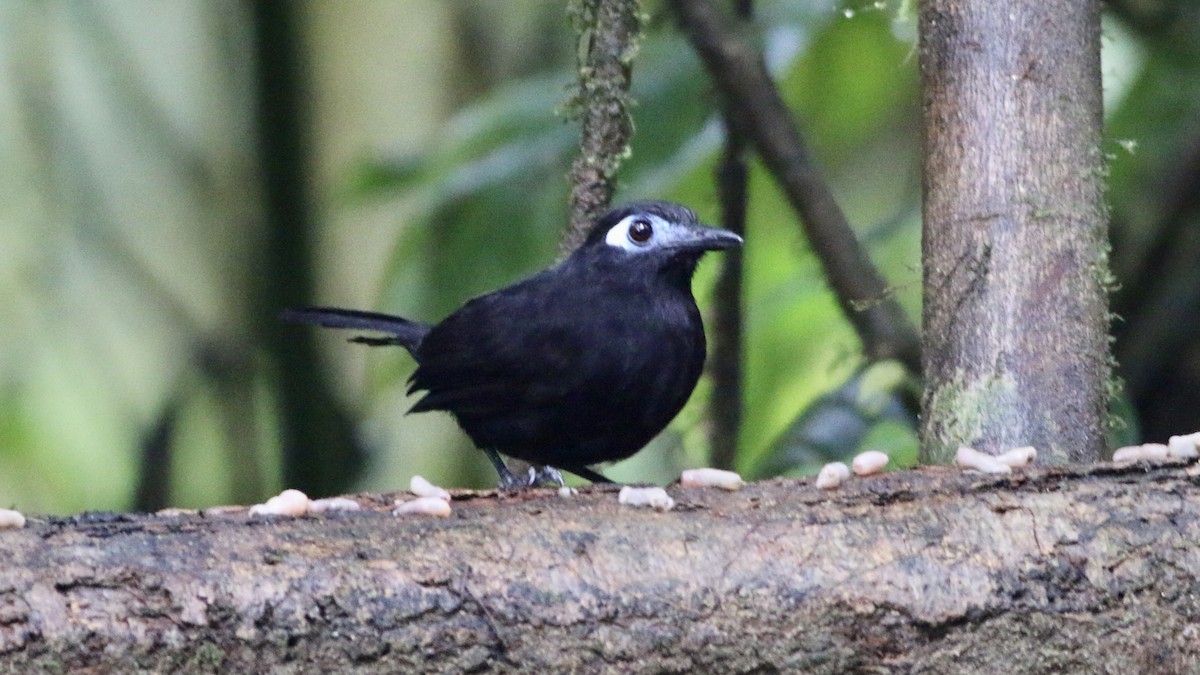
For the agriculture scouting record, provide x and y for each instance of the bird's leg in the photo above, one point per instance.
(545, 476)
(507, 480)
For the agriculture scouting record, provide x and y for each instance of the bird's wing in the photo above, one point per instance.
(519, 348)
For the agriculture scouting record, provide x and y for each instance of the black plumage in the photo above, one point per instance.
(582, 363)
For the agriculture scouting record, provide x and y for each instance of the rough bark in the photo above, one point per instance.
(1089, 570)
(608, 32)
(1015, 248)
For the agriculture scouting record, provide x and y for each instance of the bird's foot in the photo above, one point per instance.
(508, 481)
(545, 476)
(540, 475)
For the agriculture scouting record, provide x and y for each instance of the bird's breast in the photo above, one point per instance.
(657, 358)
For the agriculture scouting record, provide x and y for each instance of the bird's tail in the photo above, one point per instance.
(400, 331)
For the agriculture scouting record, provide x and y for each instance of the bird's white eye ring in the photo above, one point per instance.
(640, 231)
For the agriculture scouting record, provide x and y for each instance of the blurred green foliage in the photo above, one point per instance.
(129, 230)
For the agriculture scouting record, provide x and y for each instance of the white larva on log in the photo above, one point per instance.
(869, 462)
(423, 488)
(970, 458)
(832, 475)
(333, 504)
(1153, 452)
(286, 503)
(1018, 456)
(567, 491)
(223, 511)
(654, 497)
(422, 506)
(11, 519)
(718, 478)
(1183, 447)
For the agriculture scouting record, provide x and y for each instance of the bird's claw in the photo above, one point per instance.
(545, 476)
(538, 476)
(510, 483)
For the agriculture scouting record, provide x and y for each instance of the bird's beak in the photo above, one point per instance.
(705, 238)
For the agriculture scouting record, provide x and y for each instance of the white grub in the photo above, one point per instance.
(1018, 456)
(11, 519)
(869, 462)
(286, 503)
(1154, 452)
(1183, 447)
(567, 491)
(175, 512)
(422, 506)
(333, 504)
(718, 478)
(832, 475)
(423, 488)
(654, 497)
(970, 458)
(224, 510)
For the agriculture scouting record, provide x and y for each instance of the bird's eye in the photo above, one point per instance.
(640, 231)
(635, 233)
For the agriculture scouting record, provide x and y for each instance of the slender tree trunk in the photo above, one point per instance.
(739, 73)
(725, 356)
(320, 455)
(609, 33)
(1015, 249)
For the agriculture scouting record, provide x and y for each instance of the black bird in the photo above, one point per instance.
(581, 363)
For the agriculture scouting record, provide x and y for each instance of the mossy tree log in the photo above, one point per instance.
(1015, 251)
(1080, 570)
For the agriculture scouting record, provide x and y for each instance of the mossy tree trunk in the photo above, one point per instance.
(1015, 250)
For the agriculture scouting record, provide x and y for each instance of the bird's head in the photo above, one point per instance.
(664, 234)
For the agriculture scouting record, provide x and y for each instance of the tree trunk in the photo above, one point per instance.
(608, 33)
(1015, 250)
(319, 452)
(918, 571)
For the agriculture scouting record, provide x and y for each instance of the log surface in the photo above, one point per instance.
(1092, 570)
